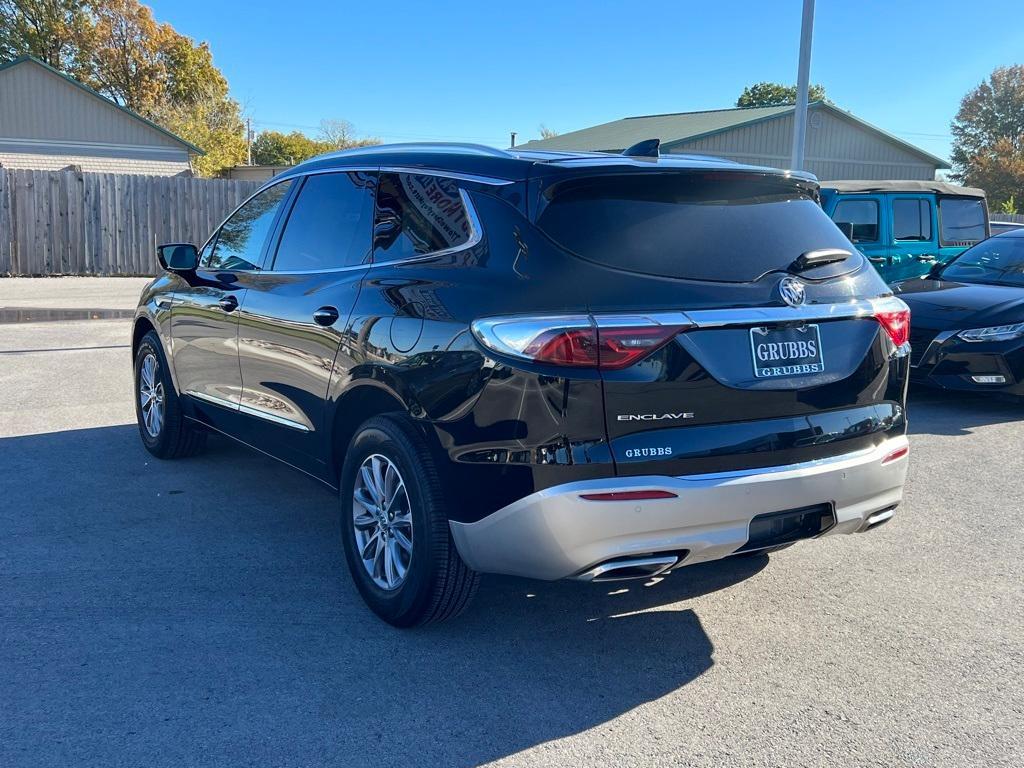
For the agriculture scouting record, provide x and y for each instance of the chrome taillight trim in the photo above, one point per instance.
(486, 329)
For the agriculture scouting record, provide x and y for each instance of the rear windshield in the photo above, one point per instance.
(998, 261)
(727, 227)
(962, 220)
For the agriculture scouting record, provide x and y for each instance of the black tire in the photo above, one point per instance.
(437, 584)
(177, 436)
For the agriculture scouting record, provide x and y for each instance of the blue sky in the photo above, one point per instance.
(465, 71)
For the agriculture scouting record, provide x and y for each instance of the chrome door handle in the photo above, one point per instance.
(926, 257)
(876, 259)
(228, 303)
(325, 316)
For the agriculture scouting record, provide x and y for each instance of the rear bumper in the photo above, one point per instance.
(555, 533)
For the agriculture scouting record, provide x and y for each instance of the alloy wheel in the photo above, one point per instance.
(382, 521)
(151, 395)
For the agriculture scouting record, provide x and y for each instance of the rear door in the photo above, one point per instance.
(915, 246)
(747, 359)
(295, 312)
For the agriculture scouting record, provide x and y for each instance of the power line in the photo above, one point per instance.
(446, 136)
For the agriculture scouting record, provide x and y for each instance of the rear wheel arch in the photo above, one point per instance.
(354, 408)
(361, 403)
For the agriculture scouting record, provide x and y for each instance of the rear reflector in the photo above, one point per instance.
(628, 496)
(899, 453)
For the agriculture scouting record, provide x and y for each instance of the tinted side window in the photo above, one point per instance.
(417, 214)
(240, 241)
(329, 225)
(862, 215)
(961, 220)
(911, 219)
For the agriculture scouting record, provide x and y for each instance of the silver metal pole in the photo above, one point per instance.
(802, 85)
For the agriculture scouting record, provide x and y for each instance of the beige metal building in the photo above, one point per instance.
(839, 145)
(254, 172)
(49, 121)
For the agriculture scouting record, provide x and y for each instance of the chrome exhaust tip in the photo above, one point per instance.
(878, 518)
(629, 568)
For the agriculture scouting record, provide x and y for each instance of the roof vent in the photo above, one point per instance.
(646, 148)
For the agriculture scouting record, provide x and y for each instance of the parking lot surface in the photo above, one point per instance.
(198, 612)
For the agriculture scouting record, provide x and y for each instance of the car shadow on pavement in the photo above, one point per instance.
(941, 412)
(199, 611)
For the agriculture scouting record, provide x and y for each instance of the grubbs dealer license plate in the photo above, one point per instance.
(786, 351)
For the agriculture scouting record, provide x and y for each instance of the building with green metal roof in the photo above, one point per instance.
(839, 145)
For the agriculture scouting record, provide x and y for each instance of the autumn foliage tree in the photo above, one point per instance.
(988, 137)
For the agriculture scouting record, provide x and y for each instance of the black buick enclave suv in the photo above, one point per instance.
(551, 365)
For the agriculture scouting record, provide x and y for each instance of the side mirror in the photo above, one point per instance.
(936, 269)
(846, 227)
(178, 257)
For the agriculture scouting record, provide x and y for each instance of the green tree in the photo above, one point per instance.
(1009, 205)
(276, 148)
(776, 95)
(59, 32)
(988, 136)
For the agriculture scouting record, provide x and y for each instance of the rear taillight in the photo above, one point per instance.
(609, 342)
(894, 316)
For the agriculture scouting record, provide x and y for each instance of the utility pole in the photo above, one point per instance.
(248, 141)
(513, 139)
(802, 85)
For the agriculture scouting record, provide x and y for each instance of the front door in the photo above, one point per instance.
(915, 246)
(204, 317)
(295, 312)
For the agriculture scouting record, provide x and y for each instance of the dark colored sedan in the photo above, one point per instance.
(967, 331)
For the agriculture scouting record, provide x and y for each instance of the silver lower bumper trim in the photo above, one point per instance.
(555, 534)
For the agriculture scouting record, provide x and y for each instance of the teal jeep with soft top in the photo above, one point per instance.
(904, 228)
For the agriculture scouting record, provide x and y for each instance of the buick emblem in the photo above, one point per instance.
(792, 291)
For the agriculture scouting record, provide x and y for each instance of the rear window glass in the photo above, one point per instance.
(699, 226)
(862, 218)
(999, 260)
(418, 214)
(911, 219)
(961, 220)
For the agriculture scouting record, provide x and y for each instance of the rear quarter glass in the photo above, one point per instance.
(722, 227)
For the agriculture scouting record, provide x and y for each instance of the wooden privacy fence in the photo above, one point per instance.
(71, 223)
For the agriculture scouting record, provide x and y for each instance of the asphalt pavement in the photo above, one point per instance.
(198, 612)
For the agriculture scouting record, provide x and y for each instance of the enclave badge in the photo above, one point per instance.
(792, 291)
